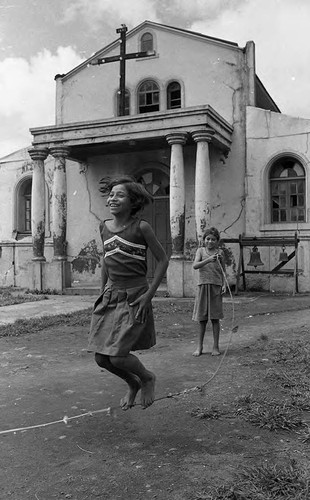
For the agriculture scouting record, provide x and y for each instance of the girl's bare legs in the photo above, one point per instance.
(131, 364)
(202, 331)
(133, 381)
(216, 337)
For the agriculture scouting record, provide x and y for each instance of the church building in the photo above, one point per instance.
(188, 117)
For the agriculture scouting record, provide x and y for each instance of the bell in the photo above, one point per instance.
(255, 259)
(283, 257)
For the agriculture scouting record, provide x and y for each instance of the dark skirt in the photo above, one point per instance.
(208, 303)
(114, 331)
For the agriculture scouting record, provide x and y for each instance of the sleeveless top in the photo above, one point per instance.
(211, 273)
(124, 252)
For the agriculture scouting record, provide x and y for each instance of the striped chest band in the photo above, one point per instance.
(116, 244)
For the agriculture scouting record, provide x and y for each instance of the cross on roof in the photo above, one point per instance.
(122, 58)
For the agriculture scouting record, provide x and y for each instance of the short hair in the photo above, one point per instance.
(213, 231)
(138, 195)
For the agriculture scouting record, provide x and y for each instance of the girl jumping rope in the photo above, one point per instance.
(210, 263)
(122, 319)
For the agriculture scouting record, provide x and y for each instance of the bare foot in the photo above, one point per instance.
(198, 352)
(128, 401)
(148, 391)
(215, 352)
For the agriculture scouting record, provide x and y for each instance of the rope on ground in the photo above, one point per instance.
(110, 411)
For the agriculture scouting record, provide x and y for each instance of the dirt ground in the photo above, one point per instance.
(164, 452)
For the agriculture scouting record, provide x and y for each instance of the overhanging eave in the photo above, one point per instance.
(136, 128)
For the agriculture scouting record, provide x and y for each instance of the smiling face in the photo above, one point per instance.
(210, 242)
(119, 201)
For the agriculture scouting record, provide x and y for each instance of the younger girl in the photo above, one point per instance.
(209, 261)
(122, 319)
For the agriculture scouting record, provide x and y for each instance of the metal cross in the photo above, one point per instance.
(122, 58)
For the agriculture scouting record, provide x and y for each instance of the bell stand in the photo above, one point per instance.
(274, 241)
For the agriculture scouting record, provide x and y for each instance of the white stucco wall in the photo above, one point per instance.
(270, 136)
(210, 72)
(16, 254)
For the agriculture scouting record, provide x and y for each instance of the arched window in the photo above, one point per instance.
(287, 190)
(148, 97)
(173, 95)
(23, 207)
(146, 42)
(127, 103)
(156, 182)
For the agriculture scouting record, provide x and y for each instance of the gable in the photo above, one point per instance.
(208, 70)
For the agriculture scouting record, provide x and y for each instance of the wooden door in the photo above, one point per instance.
(157, 214)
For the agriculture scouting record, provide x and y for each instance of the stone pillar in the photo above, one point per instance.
(175, 272)
(202, 180)
(59, 203)
(177, 193)
(38, 155)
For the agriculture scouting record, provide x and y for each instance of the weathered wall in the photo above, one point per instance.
(89, 93)
(222, 82)
(16, 251)
(269, 136)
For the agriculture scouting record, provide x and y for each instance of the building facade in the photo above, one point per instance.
(195, 125)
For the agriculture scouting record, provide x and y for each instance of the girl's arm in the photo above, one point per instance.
(199, 262)
(104, 275)
(161, 267)
(223, 268)
(159, 254)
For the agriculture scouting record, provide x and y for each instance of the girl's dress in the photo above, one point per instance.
(114, 331)
(208, 301)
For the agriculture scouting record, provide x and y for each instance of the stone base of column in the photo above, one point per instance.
(190, 279)
(175, 277)
(37, 275)
(181, 278)
(54, 276)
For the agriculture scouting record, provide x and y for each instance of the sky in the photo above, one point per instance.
(40, 38)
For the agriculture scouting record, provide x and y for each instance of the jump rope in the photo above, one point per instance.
(111, 411)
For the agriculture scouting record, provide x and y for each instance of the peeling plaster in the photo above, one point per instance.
(190, 249)
(88, 258)
(178, 240)
(229, 257)
(60, 245)
(38, 240)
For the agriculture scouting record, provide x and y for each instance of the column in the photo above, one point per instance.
(59, 202)
(38, 155)
(202, 180)
(177, 193)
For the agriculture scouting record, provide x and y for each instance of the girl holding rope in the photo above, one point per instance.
(210, 263)
(122, 319)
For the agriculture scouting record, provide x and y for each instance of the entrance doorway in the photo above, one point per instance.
(156, 181)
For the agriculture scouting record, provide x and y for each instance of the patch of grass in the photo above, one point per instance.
(46, 291)
(9, 298)
(305, 434)
(294, 378)
(22, 327)
(269, 414)
(264, 482)
(293, 352)
(211, 413)
(291, 371)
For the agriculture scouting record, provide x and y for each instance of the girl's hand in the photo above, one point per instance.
(223, 289)
(213, 258)
(143, 303)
